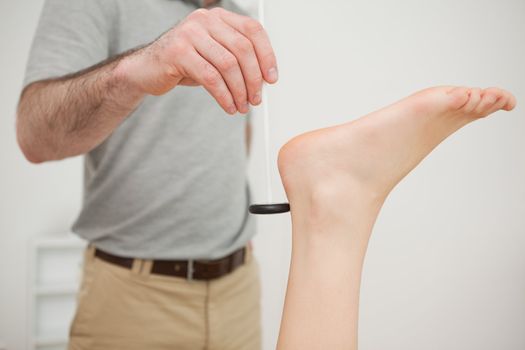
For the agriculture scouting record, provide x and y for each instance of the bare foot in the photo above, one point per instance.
(336, 180)
(369, 156)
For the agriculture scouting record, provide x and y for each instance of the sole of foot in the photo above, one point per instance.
(367, 157)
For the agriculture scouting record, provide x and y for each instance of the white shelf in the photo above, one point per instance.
(57, 289)
(53, 281)
(51, 341)
(72, 242)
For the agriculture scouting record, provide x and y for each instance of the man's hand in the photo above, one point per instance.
(228, 54)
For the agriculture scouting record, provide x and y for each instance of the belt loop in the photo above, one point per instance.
(190, 270)
(146, 267)
(90, 252)
(248, 253)
(136, 268)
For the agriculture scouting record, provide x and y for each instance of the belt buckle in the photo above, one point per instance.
(190, 270)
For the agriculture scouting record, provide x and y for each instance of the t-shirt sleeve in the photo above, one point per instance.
(71, 35)
(234, 7)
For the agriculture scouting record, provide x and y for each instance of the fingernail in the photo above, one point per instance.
(273, 74)
(257, 98)
(246, 107)
(232, 110)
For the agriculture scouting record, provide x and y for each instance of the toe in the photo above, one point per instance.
(511, 102)
(498, 105)
(489, 99)
(459, 96)
(473, 101)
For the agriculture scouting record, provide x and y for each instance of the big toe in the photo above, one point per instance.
(458, 97)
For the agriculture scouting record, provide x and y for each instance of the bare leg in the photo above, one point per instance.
(336, 180)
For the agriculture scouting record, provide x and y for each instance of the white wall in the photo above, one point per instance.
(446, 263)
(34, 200)
(445, 268)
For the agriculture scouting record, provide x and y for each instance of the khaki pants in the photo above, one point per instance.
(133, 309)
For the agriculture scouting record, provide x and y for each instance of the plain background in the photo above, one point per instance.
(446, 263)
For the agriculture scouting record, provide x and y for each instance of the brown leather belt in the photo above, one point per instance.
(189, 269)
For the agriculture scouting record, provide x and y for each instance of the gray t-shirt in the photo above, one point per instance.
(170, 182)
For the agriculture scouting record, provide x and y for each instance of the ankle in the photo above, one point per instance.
(335, 194)
(335, 208)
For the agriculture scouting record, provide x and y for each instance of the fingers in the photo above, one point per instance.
(228, 66)
(254, 31)
(204, 73)
(244, 51)
(227, 47)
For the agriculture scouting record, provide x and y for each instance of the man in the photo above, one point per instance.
(164, 208)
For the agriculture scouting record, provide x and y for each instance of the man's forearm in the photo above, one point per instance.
(69, 116)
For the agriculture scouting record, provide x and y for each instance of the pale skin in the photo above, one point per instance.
(337, 180)
(228, 54)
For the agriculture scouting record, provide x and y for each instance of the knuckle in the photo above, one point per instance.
(198, 14)
(228, 63)
(252, 27)
(239, 91)
(189, 29)
(256, 82)
(211, 78)
(217, 10)
(224, 98)
(269, 57)
(243, 45)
